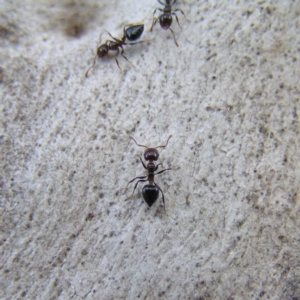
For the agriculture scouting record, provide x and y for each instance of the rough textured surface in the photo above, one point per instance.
(229, 95)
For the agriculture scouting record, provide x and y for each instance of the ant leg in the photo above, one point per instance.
(158, 9)
(135, 188)
(162, 2)
(139, 177)
(174, 37)
(157, 166)
(163, 171)
(153, 23)
(173, 14)
(178, 9)
(118, 61)
(163, 197)
(143, 165)
(167, 140)
(87, 72)
(126, 57)
(139, 42)
(100, 39)
(112, 37)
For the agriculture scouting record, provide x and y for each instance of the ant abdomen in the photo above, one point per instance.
(134, 32)
(150, 194)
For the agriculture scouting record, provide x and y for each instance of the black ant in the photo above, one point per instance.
(165, 20)
(150, 191)
(130, 32)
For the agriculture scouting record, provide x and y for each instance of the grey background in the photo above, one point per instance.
(229, 95)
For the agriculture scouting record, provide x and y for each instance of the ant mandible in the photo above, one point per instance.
(150, 191)
(130, 32)
(165, 20)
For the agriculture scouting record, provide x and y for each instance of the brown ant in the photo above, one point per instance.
(130, 32)
(165, 20)
(150, 191)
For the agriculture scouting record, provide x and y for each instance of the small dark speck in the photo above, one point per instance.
(261, 293)
(84, 252)
(269, 10)
(89, 217)
(75, 30)
(1, 74)
(23, 294)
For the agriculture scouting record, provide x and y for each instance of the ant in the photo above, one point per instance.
(150, 191)
(130, 32)
(165, 20)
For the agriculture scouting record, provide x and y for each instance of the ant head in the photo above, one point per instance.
(165, 21)
(102, 50)
(151, 154)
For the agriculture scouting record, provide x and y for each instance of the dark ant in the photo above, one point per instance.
(165, 20)
(150, 191)
(130, 32)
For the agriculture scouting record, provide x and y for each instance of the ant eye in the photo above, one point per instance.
(102, 50)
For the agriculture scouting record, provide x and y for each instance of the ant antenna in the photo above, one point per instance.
(90, 68)
(165, 144)
(95, 59)
(137, 143)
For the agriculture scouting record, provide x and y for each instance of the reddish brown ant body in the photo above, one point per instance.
(150, 191)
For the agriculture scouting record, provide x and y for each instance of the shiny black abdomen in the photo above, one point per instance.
(150, 194)
(134, 32)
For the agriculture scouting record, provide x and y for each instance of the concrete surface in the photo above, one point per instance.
(229, 95)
